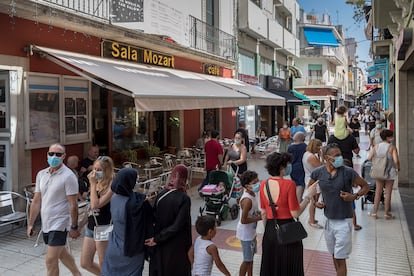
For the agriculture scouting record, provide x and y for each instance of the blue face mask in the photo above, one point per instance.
(288, 169)
(54, 161)
(339, 161)
(256, 187)
(99, 175)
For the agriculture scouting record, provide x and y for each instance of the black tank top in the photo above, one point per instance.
(103, 216)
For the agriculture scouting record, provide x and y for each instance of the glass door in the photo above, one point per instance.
(5, 166)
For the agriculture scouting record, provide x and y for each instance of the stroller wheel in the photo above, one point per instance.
(362, 203)
(218, 220)
(234, 211)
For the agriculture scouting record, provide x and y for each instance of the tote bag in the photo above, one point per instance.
(380, 169)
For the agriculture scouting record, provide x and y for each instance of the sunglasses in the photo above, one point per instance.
(103, 158)
(58, 154)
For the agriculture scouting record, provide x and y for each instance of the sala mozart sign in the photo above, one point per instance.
(130, 53)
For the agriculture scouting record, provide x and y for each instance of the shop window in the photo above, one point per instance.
(47, 122)
(130, 128)
(76, 109)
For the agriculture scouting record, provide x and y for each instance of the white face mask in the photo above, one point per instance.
(99, 175)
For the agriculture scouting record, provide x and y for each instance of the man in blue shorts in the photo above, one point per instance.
(336, 182)
(55, 198)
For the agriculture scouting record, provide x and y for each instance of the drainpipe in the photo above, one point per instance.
(257, 69)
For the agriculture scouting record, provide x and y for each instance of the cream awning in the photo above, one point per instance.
(157, 88)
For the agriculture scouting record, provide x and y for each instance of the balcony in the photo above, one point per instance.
(381, 44)
(315, 81)
(96, 9)
(333, 54)
(252, 20)
(210, 39)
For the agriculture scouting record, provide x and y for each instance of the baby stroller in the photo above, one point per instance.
(370, 196)
(220, 196)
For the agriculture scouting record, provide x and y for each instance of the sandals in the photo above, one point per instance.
(357, 227)
(388, 216)
(315, 225)
(374, 215)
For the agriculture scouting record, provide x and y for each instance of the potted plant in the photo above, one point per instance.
(152, 151)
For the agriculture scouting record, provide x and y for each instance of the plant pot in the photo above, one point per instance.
(172, 149)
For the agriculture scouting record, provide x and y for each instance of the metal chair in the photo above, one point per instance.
(10, 215)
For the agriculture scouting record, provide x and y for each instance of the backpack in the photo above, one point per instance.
(380, 168)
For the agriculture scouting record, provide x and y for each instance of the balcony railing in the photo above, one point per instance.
(315, 81)
(211, 39)
(325, 51)
(92, 8)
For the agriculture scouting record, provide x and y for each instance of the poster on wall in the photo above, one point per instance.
(43, 110)
(161, 17)
(127, 11)
(69, 106)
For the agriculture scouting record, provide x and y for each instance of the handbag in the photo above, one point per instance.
(379, 168)
(102, 232)
(289, 232)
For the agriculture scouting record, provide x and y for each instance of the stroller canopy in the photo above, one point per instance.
(221, 176)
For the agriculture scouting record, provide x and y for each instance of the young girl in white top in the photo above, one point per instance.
(249, 216)
(204, 251)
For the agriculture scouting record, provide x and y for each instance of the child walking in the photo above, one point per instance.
(204, 251)
(249, 216)
(341, 124)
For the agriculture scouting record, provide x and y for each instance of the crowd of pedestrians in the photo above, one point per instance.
(318, 174)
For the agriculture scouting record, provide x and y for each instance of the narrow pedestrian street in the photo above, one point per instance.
(381, 247)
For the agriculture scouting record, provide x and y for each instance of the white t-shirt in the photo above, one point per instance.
(247, 232)
(54, 189)
(203, 262)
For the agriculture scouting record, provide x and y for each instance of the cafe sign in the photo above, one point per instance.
(212, 69)
(130, 53)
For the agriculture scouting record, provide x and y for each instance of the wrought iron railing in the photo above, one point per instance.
(211, 39)
(93, 8)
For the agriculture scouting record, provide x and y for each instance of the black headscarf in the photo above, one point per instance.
(137, 211)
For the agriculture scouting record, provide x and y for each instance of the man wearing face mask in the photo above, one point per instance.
(321, 131)
(56, 199)
(249, 216)
(348, 146)
(336, 182)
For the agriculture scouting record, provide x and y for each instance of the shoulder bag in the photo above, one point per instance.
(102, 232)
(289, 232)
(379, 168)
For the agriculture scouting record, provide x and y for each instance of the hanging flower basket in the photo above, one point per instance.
(174, 122)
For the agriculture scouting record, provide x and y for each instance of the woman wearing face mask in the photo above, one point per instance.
(393, 167)
(374, 135)
(249, 216)
(237, 154)
(281, 259)
(284, 137)
(100, 179)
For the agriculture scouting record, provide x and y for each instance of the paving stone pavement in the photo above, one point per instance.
(381, 248)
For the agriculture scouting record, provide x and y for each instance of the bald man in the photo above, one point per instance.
(73, 163)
